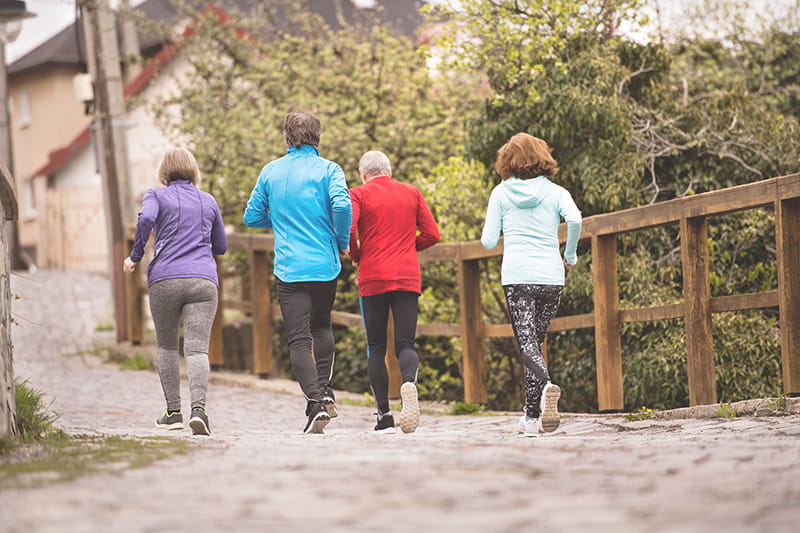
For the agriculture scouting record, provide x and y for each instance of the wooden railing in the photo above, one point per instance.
(690, 213)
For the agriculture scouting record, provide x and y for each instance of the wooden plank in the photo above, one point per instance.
(474, 250)
(134, 298)
(498, 330)
(646, 314)
(216, 346)
(262, 312)
(697, 299)
(608, 344)
(238, 305)
(350, 320)
(739, 302)
(262, 242)
(439, 330)
(443, 251)
(565, 323)
(789, 187)
(474, 366)
(748, 196)
(788, 243)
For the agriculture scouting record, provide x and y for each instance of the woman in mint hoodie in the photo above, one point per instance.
(527, 208)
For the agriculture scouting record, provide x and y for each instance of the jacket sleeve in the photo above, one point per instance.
(428, 230)
(355, 250)
(256, 215)
(493, 224)
(144, 225)
(340, 205)
(569, 211)
(219, 240)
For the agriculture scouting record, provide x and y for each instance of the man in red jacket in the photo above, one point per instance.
(384, 244)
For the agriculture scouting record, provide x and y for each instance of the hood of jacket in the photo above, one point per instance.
(526, 193)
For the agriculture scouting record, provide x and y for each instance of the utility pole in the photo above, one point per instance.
(111, 141)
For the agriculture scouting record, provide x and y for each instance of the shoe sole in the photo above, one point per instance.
(385, 431)
(330, 406)
(409, 414)
(550, 419)
(318, 424)
(170, 426)
(199, 427)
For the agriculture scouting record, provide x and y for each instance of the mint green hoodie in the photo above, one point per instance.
(528, 213)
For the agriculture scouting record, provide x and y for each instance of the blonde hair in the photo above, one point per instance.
(525, 156)
(178, 164)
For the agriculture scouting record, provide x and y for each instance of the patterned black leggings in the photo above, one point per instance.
(532, 308)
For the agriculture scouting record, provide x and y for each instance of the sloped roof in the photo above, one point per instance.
(66, 48)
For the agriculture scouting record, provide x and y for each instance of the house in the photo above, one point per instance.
(62, 218)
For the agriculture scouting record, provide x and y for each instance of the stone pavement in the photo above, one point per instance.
(456, 473)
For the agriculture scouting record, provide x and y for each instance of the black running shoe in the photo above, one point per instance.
(170, 420)
(385, 423)
(318, 417)
(199, 422)
(329, 401)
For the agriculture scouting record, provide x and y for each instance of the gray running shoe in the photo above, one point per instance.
(199, 422)
(170, 420)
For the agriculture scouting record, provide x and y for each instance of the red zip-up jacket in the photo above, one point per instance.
(383, 237)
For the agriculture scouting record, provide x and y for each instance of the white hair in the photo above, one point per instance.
(375, 163)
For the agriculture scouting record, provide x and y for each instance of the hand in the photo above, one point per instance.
(346, 251)
(569, 267)
(128, 265)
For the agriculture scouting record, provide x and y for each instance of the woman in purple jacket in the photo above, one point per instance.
(182, 276)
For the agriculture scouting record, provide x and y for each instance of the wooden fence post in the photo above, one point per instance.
(787, 217)
(392, 363)
(474, 365)
(262, 312)
(608, 343)
(697, 313)
(216, 346)
(133, 298)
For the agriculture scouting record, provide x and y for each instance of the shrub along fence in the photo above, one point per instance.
(690, 213)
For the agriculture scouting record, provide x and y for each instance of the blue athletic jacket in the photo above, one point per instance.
(304, 199)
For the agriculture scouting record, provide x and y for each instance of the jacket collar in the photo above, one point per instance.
(304, 149)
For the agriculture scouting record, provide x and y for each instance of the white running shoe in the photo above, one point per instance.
(549, 417)
(529, 426)
(409, 414)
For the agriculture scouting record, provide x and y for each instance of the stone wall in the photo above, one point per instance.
(8, 211)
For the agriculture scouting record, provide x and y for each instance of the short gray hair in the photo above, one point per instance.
(302, 127)
(375, 163)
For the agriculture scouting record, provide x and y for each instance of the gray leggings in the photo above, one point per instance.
(194, 300)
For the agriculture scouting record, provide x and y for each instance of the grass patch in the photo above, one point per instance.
(137, 361)
(42, 453)
(104, 327)
(465, 408)
(642, 414)
(725, 411)
(64, 458)
(778, 404)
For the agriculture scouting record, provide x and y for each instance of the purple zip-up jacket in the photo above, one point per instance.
(189, 232)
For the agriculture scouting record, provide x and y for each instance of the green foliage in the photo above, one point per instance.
(778, 404)
(644, 413)
(725, 411)
(138, 361)
(464, 408)
(32, 418)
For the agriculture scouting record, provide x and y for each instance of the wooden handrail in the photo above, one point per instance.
(690, 213)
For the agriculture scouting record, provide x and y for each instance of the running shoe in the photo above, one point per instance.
(385, 423)
(549, 417)
(170, 420)
(409, 414)
(529, 426)
(199, 422)
(329, 401)
(318, 417)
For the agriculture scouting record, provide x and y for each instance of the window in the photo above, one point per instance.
(24, 109)
(29, 199)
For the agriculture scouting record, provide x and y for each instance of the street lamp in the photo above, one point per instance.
(12, 12)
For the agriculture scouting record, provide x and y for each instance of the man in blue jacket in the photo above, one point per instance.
(304, 199)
